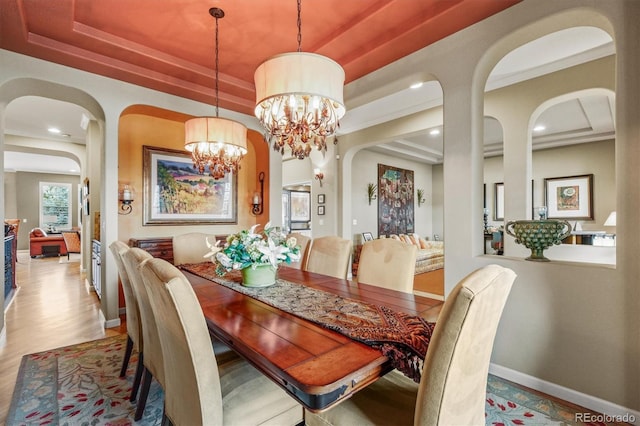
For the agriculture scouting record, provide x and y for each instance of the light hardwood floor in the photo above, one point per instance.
(52, 308)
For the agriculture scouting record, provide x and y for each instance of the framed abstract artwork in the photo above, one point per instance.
(395, 200)
(569, 197)
(176, 194)
(300, 203)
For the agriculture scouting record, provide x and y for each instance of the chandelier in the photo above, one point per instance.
(215, 143)
(299, 99)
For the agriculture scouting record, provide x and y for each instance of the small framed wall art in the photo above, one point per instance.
(569, 197)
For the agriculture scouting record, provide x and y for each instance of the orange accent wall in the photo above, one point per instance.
(145, 125)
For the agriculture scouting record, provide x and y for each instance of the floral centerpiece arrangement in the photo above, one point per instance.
(256, 254)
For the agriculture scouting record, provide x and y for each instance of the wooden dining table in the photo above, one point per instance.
(315, 365)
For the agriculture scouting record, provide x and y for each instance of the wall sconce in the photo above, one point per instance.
(371, 191)
(125, 196)
(420, 193)
(258, 197)
(319, 175)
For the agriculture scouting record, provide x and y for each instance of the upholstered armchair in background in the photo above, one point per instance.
(39, 239)
(71, 241)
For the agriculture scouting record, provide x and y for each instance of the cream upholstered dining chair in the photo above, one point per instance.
(153, 364)
(329, 256)
(132, 311)
(305, 243)
(191, 247)
(453, 387)
(201, 392)
(388, 263)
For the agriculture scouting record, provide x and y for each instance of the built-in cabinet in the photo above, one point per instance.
(161, 247)
(96, 262)
(9, 265)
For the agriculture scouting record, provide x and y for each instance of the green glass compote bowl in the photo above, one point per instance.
(538, 235)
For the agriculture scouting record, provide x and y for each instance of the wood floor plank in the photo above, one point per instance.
(53, 307)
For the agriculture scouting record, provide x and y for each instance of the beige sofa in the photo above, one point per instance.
(429, 274)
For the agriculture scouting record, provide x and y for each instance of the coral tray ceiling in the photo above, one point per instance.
(169, 45)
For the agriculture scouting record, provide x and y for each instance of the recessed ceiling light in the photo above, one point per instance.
(434, 132)
(54, 130)
(72, 170)
(539, 128)
(416, 85)
(65, 135)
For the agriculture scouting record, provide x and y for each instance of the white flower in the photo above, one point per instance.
(291, 242)
(251, 248)
(215, 248)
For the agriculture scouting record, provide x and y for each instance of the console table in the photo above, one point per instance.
(583, 237)
(161, 247)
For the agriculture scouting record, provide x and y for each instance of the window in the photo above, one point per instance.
(55, 205)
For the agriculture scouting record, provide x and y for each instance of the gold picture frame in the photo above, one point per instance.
(175, 193)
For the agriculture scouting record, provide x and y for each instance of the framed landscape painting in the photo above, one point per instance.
(569, 197)
(176, 194)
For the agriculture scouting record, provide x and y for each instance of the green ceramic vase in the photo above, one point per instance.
(538, 235)
(262, 275)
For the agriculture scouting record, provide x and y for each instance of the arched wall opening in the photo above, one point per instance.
(547, 305)
(91, 165)
(515, 105)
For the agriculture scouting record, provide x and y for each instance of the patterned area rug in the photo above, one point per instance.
(79, 385)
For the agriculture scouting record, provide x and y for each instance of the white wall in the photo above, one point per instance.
(365, 170)
(295, 171)
(573, 326)
(597, 158)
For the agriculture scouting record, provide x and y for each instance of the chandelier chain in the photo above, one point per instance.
(215, 143)
(217, 52)
(299, 26)
(302, 116)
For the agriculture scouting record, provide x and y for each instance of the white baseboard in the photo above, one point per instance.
(429, 295)
(111, 323)
(591, 402)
